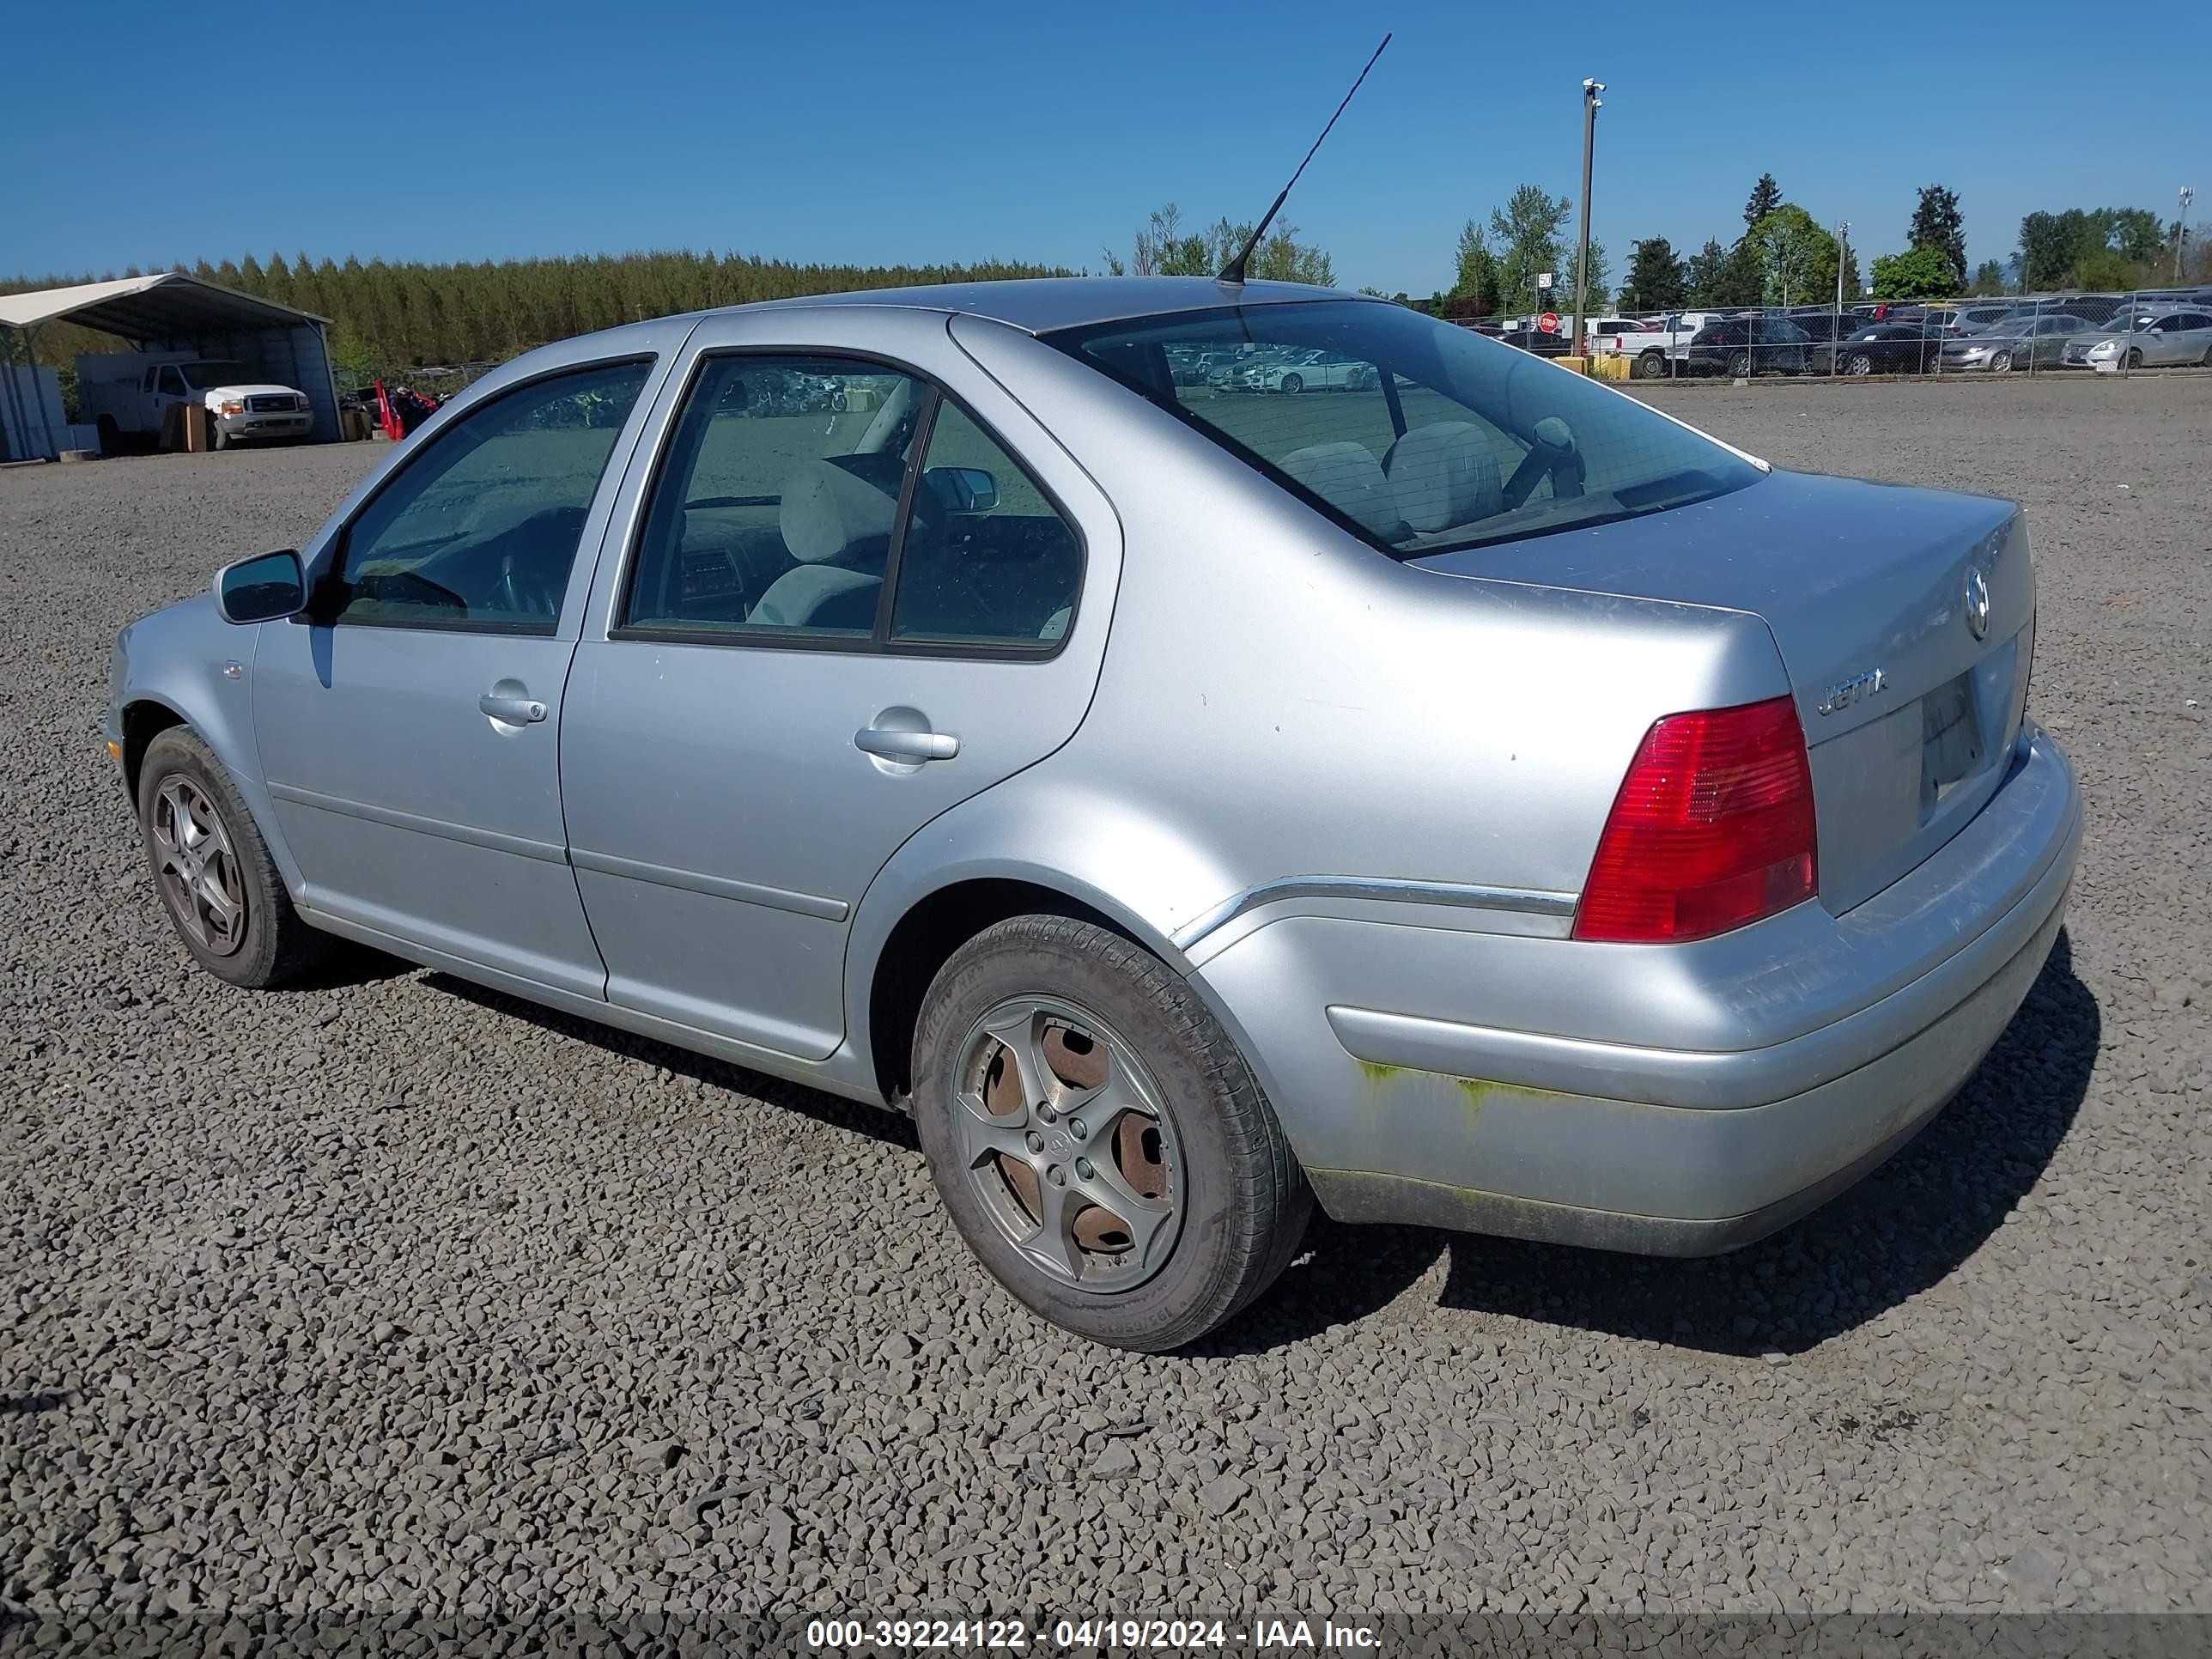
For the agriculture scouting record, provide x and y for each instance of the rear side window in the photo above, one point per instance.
(778, 501)
(480, 530)
(830, 501)
(1429, 437)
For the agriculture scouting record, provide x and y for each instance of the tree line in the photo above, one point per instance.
(387, 316)
(1786, 257)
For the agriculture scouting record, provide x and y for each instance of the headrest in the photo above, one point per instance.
(1346, 477)
(1444, 475)
(837, 509)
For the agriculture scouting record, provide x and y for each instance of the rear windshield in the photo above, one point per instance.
(1415, 435)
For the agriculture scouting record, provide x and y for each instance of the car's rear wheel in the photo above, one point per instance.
(1100, 1142)
(2205, 362)
(1859, 363)
(1651, 366)
(217, 882)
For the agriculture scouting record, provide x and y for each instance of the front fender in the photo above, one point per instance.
(175, 658)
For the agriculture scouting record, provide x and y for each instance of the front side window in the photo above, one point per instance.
(172, 383)
(1437, 438)
(480, 530)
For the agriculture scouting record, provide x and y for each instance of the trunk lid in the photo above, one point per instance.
(1909, 711)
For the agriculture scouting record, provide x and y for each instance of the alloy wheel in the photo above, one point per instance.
(1860, 363)
(197, 867)
(1065, 1136)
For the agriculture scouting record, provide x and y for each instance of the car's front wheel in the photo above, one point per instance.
(1859, 363)
(2135, 358)
(218, 884)
(2000, 363)
(1740, 365)
(1100, 1142)
(1294, 383)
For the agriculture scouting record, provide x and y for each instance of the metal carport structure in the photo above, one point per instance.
(171, 312)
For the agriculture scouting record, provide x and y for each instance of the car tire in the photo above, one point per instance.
(2000, 363)
(1216, 1204)
(1740, 366)
(269, 945)
(1859, 363)
(1650, 365)
(1294, 383)
(2135, 357)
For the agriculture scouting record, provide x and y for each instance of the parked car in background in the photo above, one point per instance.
(1973, 320)
(1080, 762)
(1308, 371)
(1826, 329)
(1745, 346)
(2024, 341)
(1537, 341)
(1891, 348)
(2152, 339)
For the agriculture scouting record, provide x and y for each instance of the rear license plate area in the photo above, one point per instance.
(1951, 749)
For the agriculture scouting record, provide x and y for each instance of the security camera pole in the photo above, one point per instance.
(1591, 103)
(2181, 231)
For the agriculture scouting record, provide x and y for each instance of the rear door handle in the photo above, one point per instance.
(515, 711)
(905, 745)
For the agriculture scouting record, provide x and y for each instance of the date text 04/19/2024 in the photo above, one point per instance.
(1106, 1635)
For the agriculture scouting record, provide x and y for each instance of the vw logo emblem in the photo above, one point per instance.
(1977, 603)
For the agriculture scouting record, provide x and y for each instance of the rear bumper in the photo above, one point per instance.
(1854, 1032)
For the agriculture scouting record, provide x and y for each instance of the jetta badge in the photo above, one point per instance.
(1844, 693)
(1977, 603)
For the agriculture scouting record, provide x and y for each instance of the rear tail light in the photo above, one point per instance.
(1713, 829)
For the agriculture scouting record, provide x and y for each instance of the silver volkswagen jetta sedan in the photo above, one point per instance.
(1473, 799)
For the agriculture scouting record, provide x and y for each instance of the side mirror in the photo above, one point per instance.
(265, 588)
(962, 489)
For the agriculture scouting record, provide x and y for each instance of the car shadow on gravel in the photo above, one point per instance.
(893, 1128)
(1903, 1229)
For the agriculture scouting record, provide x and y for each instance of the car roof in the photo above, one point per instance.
(1041, 304)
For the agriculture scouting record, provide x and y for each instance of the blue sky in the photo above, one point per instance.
(880, 133)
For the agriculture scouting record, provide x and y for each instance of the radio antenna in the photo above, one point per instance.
(1233, 272)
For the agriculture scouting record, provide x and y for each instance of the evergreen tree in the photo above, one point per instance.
(1937, 223)
(1657, 280)
(1766, 196)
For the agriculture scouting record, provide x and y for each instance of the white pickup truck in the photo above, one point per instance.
(1649, 345)
(128, 392)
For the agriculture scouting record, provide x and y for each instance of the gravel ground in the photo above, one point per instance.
(396, 1293)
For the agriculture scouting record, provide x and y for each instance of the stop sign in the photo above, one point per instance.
(1549, 322)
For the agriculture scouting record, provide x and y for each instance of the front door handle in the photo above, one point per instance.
(514, 710)
(905, 745)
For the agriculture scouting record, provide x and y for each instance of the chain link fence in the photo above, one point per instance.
(2117, 333)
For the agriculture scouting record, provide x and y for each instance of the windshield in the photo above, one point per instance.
(201, 377)
(1429, 437)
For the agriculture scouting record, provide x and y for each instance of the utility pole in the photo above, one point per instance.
(1591, 104)
(2180, 229)
(1836, 328)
